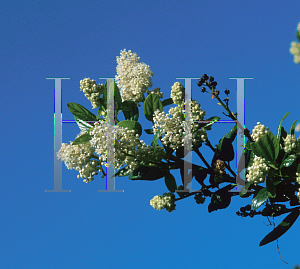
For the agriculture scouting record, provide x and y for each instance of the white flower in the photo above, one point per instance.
(259, 131)
(133, 78)
(92, 91)
(298, 27)
(297, 129)
(298, 178)
(257, 171)
(166, 201)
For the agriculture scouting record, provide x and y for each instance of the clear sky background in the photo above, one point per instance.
(81, 39)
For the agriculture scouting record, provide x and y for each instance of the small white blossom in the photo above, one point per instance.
(259, 131)
(133, 78)
(92, 91)
(298, 194)
(298, 178)
(166, 201)
(258, 171)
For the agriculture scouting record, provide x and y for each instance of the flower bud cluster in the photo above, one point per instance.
(259, 131)
(295, 47)
(298, 194)
(258, 171)
(298, 178)
(78, 157)
(177, 93)
(156, 91)
(92, 91)
(166, 201)
(133, 78)
(290, 143)
(219, 167)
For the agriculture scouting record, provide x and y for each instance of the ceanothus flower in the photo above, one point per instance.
(259, 131)
(92, 91)
(133, 78)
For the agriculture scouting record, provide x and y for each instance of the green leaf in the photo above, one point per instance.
(83, 126)
(151, 104)
(244, 190)
(130, 110)
(232, 134)
(266, 147)
(288, 161)
(167, 102)
(156, 137)
(81, 112)
(282, 228)
(292, 130)
(260, 198)
(101, 108)
(149, 131)
(200, 175)
(270, 188)
(170, 182)
(279, 126)
(298, 35)
(147, 173)
(131, 125)
(85, 138)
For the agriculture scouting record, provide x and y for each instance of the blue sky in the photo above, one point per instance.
(80, 39)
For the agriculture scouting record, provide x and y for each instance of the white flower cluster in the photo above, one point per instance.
(122, 141)
(173, 127)
(290, 143)
(78, 157)
(258, 171)
(166, 201)
(177, 93)
(133, 78)
(92, 91)
(259, 131)
(295, 48)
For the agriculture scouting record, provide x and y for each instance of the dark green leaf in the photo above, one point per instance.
(270, 187)
(225, 149)
(266, 147)
(170, 182)
(279, 126)
(151, 104)
(232, 134)
(131, 125)
(220, 199)
(81, 112)
(85, 138)
(200, 175)
(282, 228)
(147, 173)
(260, 198)
(208, 125)
(130, 110)
(288, 161)
(149, 131)
(292, 130)
(167, 102)
(244, 190)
